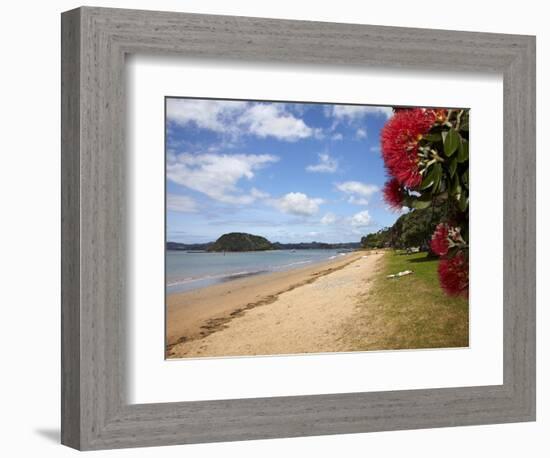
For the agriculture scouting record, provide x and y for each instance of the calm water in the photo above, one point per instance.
(186, 271)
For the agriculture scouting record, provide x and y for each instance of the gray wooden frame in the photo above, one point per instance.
(95, 413)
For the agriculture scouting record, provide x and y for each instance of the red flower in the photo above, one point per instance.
(453, 275)
(393, 194)
(440, 240)
(399, 140)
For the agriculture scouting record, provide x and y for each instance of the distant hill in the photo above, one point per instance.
(316, 246)
(176, 246)
(240, 241)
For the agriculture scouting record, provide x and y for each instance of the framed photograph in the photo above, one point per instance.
(280, 228)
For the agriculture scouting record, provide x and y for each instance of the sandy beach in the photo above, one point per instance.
(298, 311)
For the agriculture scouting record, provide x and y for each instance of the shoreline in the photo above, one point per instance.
(191, 283)
(195, 317)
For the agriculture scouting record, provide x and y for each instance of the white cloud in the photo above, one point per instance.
(207, 114)
(361, 133)
(329, 218)
(236, 118)
(183, 204)
(257, 194)
(375, 149)
(358, 193)
(353, 112)
(337, 136)
(358, 200)
(297, 203)
(217, 175)
(270, 120)
(361, 219)
(326, 164)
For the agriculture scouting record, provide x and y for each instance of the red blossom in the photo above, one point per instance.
(453, 275)
(393, 194)
(444, 237)
(399, 141)
(440, 240)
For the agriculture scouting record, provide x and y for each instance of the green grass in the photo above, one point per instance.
(410, 311)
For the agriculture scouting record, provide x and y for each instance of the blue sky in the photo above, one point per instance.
(291, 172)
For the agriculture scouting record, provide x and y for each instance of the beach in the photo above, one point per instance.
(303, 310)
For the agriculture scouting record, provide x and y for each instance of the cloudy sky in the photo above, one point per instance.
(291, 172)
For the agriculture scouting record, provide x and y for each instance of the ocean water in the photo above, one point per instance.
(186, 271)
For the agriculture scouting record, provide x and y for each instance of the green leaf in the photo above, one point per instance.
(463, 202)
(452, 140)
(423, 201)
(452, 166)
(465, 179)
(421, 204)
(463, 151)
(432, 177)
(438, 171)
(428, 178)
(465, 121)
(455, 187)
(433, 137)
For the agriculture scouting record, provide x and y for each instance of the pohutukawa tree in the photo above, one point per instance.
(426, 155)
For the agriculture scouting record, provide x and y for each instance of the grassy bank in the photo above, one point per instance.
(408, 312)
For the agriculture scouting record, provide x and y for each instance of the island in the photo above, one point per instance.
(240, 241)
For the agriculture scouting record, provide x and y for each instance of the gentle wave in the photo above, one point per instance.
(184, 281)
(257, 265)
(244, 273)
(293, 264)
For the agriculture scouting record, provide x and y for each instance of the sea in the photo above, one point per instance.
(186, 271)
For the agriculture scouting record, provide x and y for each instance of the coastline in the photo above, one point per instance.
(182, 277)
(309, 302)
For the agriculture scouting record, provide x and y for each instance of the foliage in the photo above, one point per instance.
(413, 229)
(380, 239)
(426, 154)
(240, 241)
(316, 246)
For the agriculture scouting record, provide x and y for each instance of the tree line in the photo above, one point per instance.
(413, 229)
